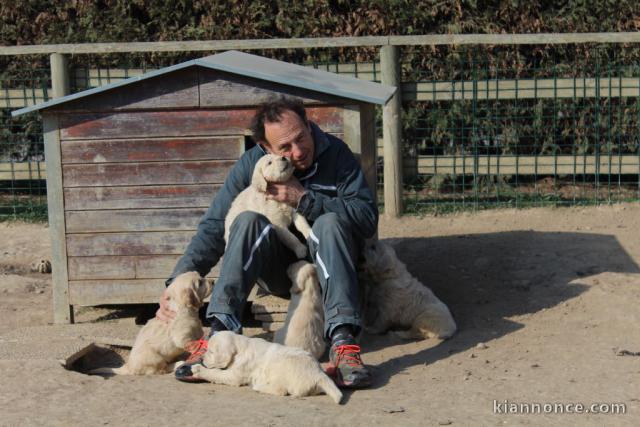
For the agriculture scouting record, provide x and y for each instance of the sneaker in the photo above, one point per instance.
(346, 366)
(197, 349)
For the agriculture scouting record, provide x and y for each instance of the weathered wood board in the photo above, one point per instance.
(139, 197)
(269, 304)
(147, 124)
(220, 89)
(180, 90)
(272, 326)
(270, 317)
(133, 243)
(152, 149)
(96, 292)
(126, 267)
(148, 173)
(110, 221)
(179, 123)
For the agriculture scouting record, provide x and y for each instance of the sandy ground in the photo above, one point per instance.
(546, 302)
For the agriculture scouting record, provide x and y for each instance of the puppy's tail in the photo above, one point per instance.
(327, 385)
(110, 371)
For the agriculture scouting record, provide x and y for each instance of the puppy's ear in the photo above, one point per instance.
(294, 269)
(309, 283)
(385, 247)
(297, 286)
(191, 298)
(257, 180)
(204, 288)
(225, 356)
(221, 354)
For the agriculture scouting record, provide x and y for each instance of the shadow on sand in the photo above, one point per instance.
(487, 278)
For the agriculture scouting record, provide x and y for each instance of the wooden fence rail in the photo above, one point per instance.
(325, 42)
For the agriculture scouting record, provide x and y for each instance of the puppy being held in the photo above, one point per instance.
(159, 344)
(304, 325)
(269, 368)
(397, 299)
(274, 169)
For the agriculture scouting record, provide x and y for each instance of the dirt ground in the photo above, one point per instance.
(546, 302)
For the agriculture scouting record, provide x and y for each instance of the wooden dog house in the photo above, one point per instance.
(132, 166)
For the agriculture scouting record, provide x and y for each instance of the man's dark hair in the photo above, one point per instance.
(271, 111)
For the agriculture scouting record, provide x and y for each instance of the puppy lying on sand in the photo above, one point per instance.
(159, 344)
(304, 325)
(267, 367)
(270, 168)
(397, 299)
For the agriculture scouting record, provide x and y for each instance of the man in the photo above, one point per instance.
(330, 191)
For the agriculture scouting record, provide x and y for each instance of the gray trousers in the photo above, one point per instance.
(254, 252)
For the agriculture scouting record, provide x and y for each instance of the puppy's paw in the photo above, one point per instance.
(196, 370)
(444, 334)
(409, 335)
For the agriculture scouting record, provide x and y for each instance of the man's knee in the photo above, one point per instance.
(248, 219)
(330, 224)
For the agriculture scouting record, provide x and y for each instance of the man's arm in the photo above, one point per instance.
(354, 201)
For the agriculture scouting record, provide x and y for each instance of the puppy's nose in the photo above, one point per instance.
(284, 159)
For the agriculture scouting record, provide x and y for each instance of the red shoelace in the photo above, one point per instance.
(197, 349)
(349, 353)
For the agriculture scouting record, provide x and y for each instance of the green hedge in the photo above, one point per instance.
(85, 21)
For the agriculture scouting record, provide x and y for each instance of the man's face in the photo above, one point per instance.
(291, 138)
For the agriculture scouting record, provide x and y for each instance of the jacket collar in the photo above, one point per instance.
(320, 140)
(321, 144)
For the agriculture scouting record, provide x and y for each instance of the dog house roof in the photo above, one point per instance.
(256, 67)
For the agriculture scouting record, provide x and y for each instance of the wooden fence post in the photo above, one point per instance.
(392, 132)
(62, 311)
(59, 75)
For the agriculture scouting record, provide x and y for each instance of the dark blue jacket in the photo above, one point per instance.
(333, 183)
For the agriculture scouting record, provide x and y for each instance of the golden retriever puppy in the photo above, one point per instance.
(159, 344)
(269, 368)
(270, 168)
(304, 325)
(397, 299)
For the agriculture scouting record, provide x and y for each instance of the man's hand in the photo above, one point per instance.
(164, 313)
(289, 192)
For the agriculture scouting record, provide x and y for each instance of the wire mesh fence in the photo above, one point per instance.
(22, 168)
(483, 126)
(516, 127)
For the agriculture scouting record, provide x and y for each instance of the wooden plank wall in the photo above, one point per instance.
(135, 185)
(133, 199)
